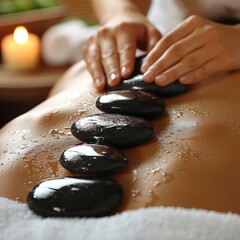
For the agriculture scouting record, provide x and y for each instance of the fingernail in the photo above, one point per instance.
(149, 76)
(113, 78)
(144, 66)
(98, 83)
(161, 79)
(183, 79)
(124, 71)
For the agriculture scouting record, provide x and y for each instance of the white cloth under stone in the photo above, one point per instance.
(17, 222)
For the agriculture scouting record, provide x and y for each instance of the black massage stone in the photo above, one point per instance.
(135, 82)
(114, 129)
(75, 197)
(131, 102)
(93, 159)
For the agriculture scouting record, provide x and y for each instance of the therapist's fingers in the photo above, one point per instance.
(129, 38)
(175, 54)
(178, 33)
(208, 69)
(92, 56)
(109, 55)
(188, 64)
(111, 52)
(127, 51)
(126, 46)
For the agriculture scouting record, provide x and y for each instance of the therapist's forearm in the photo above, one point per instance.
(105, 9)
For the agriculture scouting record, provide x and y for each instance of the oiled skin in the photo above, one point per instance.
(192, 160)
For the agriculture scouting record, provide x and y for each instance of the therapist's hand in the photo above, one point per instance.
(194, 50)
(110, 53)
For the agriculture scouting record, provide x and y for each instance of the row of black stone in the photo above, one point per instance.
(123, 124)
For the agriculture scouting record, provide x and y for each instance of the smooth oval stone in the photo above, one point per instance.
(93, 159)
(114, 129)
(131, 102)
(135, 82)
(75, 197)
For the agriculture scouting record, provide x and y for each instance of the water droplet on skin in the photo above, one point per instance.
(23, 146)
(150, 172)
(135, 175)
(135, 193)
(153, 171)
(50, 157)
(55, 133)
(177, 114)
(154, 200)
(167, 178)
(156, 183)
(76, 116)
(81, 111)
(192, 110)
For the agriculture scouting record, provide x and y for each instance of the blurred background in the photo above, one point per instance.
(62, 27)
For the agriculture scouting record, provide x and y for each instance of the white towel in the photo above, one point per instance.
(167, 14)
(62, 43)
(17, 222)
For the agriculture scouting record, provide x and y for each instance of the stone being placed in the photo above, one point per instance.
(135, 82)
(114, 129)
(93, 159)
(75, 197)
(131, 102)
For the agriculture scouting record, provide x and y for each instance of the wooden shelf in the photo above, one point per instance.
(21, 91)
(27, 85)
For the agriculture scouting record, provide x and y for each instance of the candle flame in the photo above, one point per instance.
(20, 35)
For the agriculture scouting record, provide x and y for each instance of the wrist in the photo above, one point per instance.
(120, 8)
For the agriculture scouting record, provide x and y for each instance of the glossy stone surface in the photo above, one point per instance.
(113, 129)
(75, 197)
(135, 82)
(93, 159)
(131, 102)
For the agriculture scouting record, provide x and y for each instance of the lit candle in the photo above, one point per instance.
(21, 50)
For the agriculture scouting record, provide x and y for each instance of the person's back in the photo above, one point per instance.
(191, 162)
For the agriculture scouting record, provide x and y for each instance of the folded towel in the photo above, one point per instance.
(17, 222)
(62, 43)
